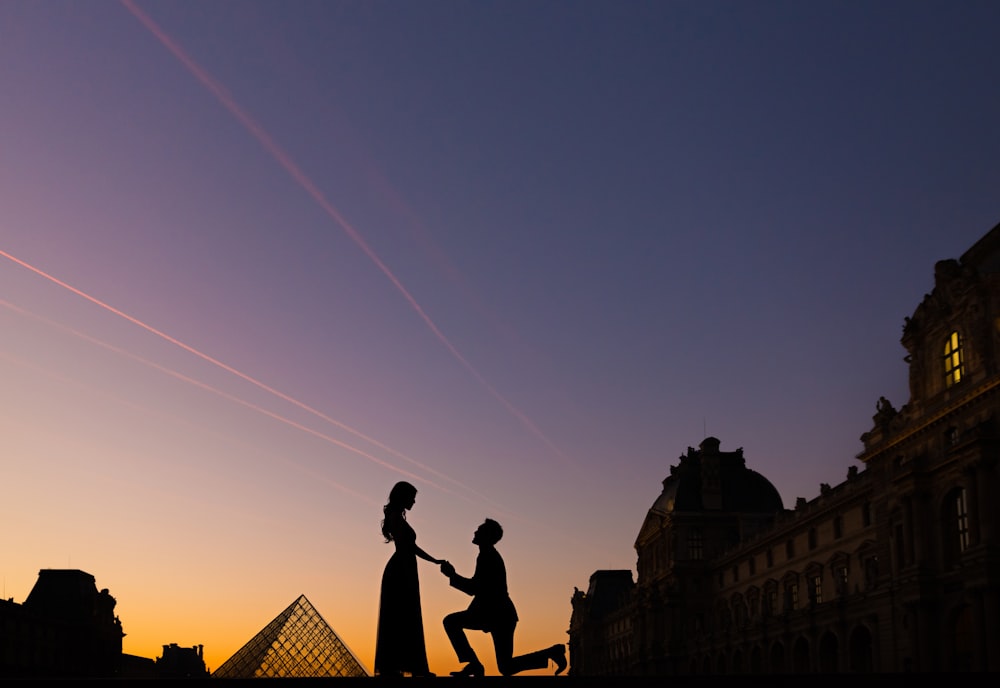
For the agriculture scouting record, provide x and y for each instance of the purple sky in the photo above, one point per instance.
(531, 251)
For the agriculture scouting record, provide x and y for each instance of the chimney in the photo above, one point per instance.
(711, 484)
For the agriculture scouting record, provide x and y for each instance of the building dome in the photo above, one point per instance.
(707, 479)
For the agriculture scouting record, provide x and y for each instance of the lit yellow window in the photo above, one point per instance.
(953, 369)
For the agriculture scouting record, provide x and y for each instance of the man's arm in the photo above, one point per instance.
(466, 585)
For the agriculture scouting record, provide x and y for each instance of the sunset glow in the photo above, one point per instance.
(259, 261)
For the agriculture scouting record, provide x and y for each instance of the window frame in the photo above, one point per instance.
(961, 501)
(696, 543)
(954, 359)
(816, 586)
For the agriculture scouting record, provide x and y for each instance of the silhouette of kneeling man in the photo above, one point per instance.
(491, 611)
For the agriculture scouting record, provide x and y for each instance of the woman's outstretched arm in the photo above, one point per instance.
(424, 555)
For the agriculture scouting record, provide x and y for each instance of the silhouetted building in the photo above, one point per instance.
(298, 643)
(65, 628)
(603, 645)
(134, 666)
(896, 569)
(181, 662)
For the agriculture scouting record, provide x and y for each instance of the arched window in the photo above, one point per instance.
(860, 651)
(777, 659)
(962, 641)
(955, 524)
(814, 579)
(871, 572)
(739, 610)
(828, 652)
(696, 543)
(725, 616)
(753, 603)
(840, 574)
(961, 520)
(791, 585)
(771, 607)
(954, 368)
(800, 656)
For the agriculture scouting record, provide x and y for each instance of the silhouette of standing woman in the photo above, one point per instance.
(399, 648)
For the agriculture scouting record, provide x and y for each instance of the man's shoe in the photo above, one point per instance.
(557, 653)
(474, 669)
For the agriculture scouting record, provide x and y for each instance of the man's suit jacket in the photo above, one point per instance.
(491, 606)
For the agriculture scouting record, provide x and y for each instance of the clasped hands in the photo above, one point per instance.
(447, 569)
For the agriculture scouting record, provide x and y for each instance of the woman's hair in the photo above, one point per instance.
(399, 497)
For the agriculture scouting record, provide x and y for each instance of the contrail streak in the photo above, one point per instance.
(214, 390)
(242, 376)
(219, 392)
(279, 154)
(500, 510)
(125, 402)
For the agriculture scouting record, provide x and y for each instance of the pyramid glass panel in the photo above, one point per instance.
(298, 643)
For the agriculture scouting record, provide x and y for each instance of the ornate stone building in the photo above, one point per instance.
(896, 569)
(66, 628)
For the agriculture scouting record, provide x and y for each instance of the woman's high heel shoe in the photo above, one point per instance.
(470, 669)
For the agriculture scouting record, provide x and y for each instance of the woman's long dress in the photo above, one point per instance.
(399, 647)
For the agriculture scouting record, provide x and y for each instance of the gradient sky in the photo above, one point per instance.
(260, 260)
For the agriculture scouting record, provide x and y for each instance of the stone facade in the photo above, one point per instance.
(895, 569)
(66, 628)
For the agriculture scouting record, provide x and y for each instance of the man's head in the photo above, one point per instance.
(489, 533)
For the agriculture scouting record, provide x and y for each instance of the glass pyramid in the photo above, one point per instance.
(298, 643)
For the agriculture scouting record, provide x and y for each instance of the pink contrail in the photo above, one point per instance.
(225, 395)
(222, 95)
(500, 510)
(125, 402)
(239, 374)
(451, 272)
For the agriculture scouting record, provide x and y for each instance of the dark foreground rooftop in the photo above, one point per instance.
(770, 681)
